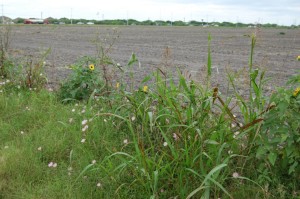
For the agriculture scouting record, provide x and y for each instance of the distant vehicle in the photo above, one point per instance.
(36, 21)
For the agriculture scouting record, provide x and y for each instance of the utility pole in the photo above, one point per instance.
(2, 15)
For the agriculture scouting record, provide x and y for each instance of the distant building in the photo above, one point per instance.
(36, 21)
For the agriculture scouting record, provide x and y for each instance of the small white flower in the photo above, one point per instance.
(1, 91)
(18, 86)
(76, 104)
(84, 122)
(237, 133)
(83, 111)
(132, 118)
(94, 162)
(105, 120)
(70, 168)
(175, 136)
(99, 184)
(54, 165)
(50, 89)
(41, 74)
(50, 164)
(230, 152)
(90, 120)
(85, 128)
(73, 110)
(165, 144)
(235, 175)
(22, 132)
(83, 140)
(71, 120)
(7, 81)
(39, 148)
(69, 173)
(6, 147)
(125, 141)
(233, 125)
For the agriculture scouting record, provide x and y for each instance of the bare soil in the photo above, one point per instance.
(276, 49)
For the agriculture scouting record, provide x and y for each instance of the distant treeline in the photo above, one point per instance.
(153, 23)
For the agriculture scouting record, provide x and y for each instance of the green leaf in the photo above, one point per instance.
(272, 158)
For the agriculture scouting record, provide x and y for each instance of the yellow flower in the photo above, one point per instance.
(117, 85)
(296, 92)
(298, 58)
(145, 89)
(91, 66)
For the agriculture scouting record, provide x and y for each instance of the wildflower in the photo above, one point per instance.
(83, 111)
(7, 81)
(105, 120)
(71, 120)
(85, 128)
(145, 89)
(70, 168)
(125, 141)
(296, 92)
(90, 119)
(132, 118)
(175, 136)
(94, 162)
(99, 184)
(230, 152)
(76, 104)
(92, 67)
(84, 122)
(39, 148)
(235, 175)
(22, 132)
(6, 147)
(50, 164)
(18, 86)
(50, 89)
(83, 140)
(41, 74)
(54, 165)
(165, 144)
(73, 110)
(117, 85)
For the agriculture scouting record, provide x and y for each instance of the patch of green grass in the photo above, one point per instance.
(165, 139)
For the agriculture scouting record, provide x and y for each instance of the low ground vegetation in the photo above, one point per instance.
(164, 138)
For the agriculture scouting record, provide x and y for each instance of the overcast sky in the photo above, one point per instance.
(282, 12)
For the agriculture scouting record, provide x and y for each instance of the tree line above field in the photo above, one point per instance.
(152, 23)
